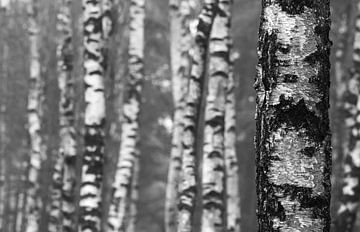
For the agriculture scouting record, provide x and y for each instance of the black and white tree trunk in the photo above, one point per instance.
(93, 157)
(62, 198)
(35, 116)
(214, 167)
(233, 210)
(122, 211)
(292, 134)
(350, 189)
(181, 44)
(188, 182)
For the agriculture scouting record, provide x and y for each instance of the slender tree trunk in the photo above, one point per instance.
(350, 191)
(21, 205)
(213, 171)
(233, 213)
(62, 217)
(181, 44)
(125, 180)
(188, 182)
(35, 114)
(93, 158)
(12, 202)
(292, 137)
(4, 171)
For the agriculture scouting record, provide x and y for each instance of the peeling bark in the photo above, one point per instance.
(124, 192)
(35, 115)
(93, 158)
(350, 190)
(188, 182)
(181, 44)
(63, 205)
(292, 137)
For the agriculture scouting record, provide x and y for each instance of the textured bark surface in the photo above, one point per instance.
(181, 44)
(233, 213)
(187, 186)
(350, 190)
(292, 137)
(35, 115)
(92, 167)
(124, 193)
(213, 170)
(63, 206)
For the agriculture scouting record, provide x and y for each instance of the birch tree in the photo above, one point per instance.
(181, 44)
(292, 134)
(93, 157)
(3, 157)
(233, 215)
(63, 204)
(213, 170)
(350, 192)
(124, 191)
(188, 181)
(35, 116)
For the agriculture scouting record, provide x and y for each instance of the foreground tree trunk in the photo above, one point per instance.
(181, 44)
(350, 191)
(124, 186)
(292, 137)
(35, 115)
(63, 206)
(188, 182)
(93, 158)
(213, 171)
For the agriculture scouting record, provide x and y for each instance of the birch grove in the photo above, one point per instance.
(292, 137)
(122, 210)
(132, 116)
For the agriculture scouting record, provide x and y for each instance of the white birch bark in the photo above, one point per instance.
(124, 182)
(181, 44)
(188, 182)
(35, 115)
(233, 213)
(93, 157)
(63, 206)
(213, 170)
(293, 142)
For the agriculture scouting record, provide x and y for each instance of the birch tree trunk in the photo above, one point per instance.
(21, 204)
(213, 170)
(125, 179)
(35, 115)
(63, 206)
(233, 213)
(188, 182)
(4, 158)
(181, 44)
(292, 137)
(93, 158)
(350, 191)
